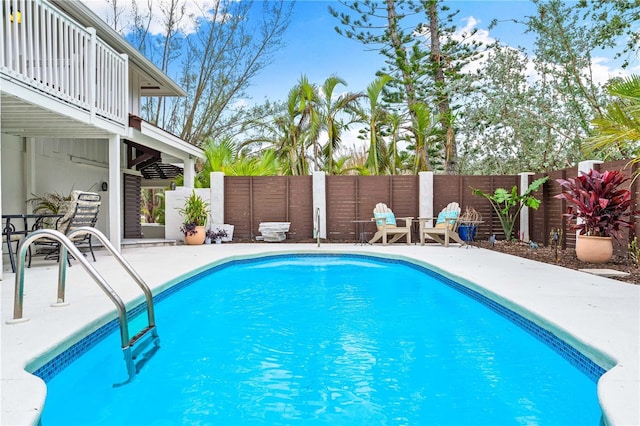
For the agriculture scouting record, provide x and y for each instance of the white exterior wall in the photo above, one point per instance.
(13, 184)
(59, 166)
(66, 165)
(173, 202)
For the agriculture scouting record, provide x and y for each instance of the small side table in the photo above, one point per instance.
(362, 234)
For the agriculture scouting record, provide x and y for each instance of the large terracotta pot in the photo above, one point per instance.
(197, 238)
(594, 249)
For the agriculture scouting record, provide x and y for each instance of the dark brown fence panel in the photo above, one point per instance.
(270, 200)
(352, 198)
(549, 216)
(405, 196)
(342, 207)
(238, 206)
(251, 200)
(301, 213)
(459, 189)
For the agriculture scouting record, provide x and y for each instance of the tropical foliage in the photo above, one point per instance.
(598, 201)
(195, 213)
(618, 128)
(509, 204)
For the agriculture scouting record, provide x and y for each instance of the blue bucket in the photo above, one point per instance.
(467, 232)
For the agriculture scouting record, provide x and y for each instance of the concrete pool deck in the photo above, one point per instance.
(598, 316)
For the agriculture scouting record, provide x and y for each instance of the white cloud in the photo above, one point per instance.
(602, 68)
(193, 9)
(603, 72)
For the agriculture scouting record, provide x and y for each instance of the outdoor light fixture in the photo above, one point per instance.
(172, 186)
(104, 186)
(18, 17)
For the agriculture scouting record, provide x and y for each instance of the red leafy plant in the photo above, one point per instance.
(598, 201)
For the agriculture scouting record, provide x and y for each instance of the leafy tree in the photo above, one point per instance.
(232, 43)
(152, 205)
(514, 123)
(224, 156)
(425, 137)
(614, 20)
(520, 120)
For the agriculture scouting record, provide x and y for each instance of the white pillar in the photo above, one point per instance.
(30, 169)
(114, 226)
(217, 197)
(320, 201)
(524, 213)
(1, 253)
(585, 166)
(425, 194)
(189, 172)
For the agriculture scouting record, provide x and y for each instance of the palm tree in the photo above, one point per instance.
(619, 126)
(374, 115)
(266, 164)
(219, 155)
(328, 110)
(394, 126)
(424, 130)
(293, 131)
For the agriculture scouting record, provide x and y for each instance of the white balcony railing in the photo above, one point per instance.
(44, 49)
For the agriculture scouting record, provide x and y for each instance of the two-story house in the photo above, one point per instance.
(71, 90)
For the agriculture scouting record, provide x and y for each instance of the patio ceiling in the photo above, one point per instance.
(21, 118)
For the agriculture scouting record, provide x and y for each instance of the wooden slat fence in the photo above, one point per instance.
(251, 200)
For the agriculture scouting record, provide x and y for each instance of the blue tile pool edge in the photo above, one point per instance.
(576, 358)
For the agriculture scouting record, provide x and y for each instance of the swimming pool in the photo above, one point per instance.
(328, 339)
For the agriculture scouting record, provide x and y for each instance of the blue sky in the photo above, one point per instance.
(314, 49)
(317, 51)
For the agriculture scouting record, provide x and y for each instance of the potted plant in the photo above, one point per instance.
(601, 210)
(216, 235)
(195, 212)
(468, 224)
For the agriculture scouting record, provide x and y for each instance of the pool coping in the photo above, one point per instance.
(598, 316)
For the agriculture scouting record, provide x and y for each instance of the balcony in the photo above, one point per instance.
(44, 51)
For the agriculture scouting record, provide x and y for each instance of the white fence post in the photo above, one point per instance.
(217, 197)
(523, 234)
(425, 194)
(320, 201)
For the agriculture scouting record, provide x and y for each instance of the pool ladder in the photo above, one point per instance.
(131, 347)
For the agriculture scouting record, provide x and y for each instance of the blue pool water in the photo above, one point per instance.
(326, 340)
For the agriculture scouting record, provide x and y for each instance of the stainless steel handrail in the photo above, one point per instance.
(65, 244)
(318, 226)
(139, 281)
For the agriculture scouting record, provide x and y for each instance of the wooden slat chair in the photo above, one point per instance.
(445, 228)
(83, 211)
(387, 226)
